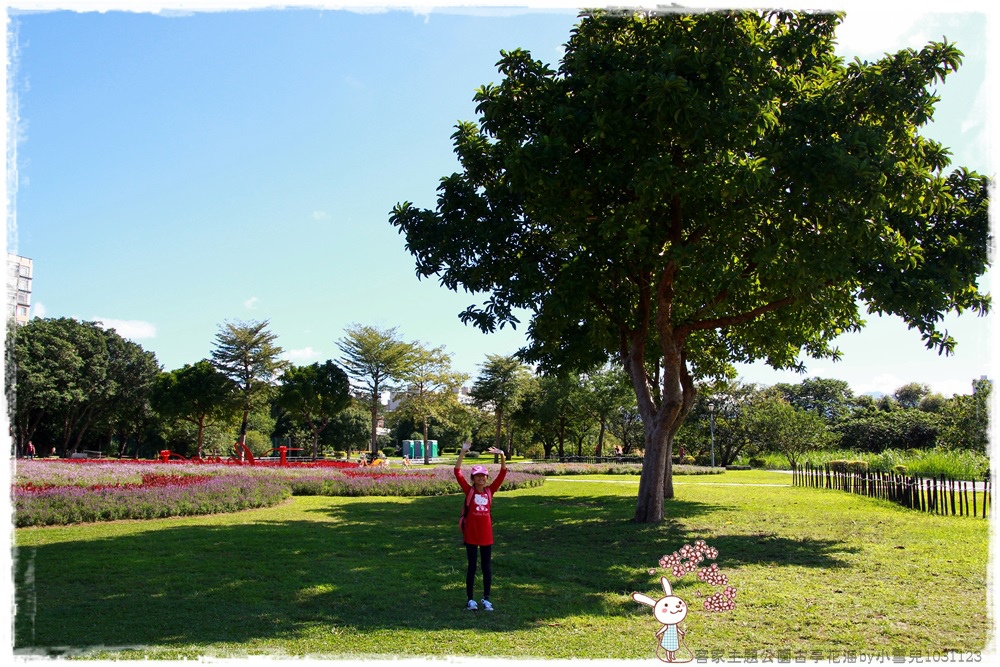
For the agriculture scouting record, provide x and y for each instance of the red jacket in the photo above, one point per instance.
(478, 521)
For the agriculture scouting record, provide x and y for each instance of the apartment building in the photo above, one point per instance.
(19, 273)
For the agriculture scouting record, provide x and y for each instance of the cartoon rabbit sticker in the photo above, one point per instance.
(669, 610)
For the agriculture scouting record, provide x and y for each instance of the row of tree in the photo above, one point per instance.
(80, 386)
(792, 419)
(75, 386)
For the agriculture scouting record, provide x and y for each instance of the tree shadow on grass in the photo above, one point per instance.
(363, 565)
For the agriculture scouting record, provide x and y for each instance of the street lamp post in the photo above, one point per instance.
(711, 419)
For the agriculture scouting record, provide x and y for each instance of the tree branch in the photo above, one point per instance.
(719, 322)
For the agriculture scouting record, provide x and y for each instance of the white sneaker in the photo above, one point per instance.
(487, 606)
(472, 606)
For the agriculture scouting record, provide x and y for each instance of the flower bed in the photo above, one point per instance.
(63, 492)
(158, 497)
(362, 482)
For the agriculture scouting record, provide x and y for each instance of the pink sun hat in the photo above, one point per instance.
(479, 470)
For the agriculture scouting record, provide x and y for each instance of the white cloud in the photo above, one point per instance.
(300, 356)
(251, 303)
(38, 309)
(888, 383)
(131, 329)
(871, 30)
(885, 383)
(321, 216)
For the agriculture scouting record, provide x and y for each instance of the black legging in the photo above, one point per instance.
(470, 573)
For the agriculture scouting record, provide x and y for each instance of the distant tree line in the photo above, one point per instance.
(77, 387)
(792, 419)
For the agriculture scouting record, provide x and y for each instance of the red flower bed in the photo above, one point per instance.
(217, 460)
(149, 480)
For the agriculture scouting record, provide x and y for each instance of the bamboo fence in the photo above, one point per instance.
(935, 495)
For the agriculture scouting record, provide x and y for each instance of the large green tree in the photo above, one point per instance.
(894, 429)
(725, 408)
(133, 372)
(72, 376)
(780, 427)
(832, 400)
(910, 394)
(965, 419)
(431, 387)
(314, 394)
(560, 409)
(376, 358)
(44, 372)
(199, 394)
(499, 388)
(691, 190)
(246, 353)
(349, 429)
(607, 392)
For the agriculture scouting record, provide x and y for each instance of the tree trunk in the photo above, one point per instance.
(83, 430)
(201, 434)
(561, 439)
(653, 481)
(497, 440)
(427, 453)
(374, 442)
(660, 423)
(67, 435)
(242, 439)
(600, 439)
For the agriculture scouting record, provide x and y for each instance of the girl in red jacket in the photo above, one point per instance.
(477, 524)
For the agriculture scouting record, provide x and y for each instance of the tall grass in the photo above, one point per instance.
(952, 464)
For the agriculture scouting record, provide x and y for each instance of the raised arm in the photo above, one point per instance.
(461, 455)
(498, 482)
(503, 457)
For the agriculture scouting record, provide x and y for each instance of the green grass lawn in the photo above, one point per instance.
(816, 571)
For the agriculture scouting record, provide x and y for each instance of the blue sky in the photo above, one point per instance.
(175, 171)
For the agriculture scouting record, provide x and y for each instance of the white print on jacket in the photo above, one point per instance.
(481, 502)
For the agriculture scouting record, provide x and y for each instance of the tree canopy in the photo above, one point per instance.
(246, 353)
(73, 376)
(431, 387)
(199, 394)
(314, 394)
(375, 357)
(690, 190)
(784, 428)
(500, 386)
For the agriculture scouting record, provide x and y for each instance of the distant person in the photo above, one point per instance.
(31, 450)
(477, 523)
